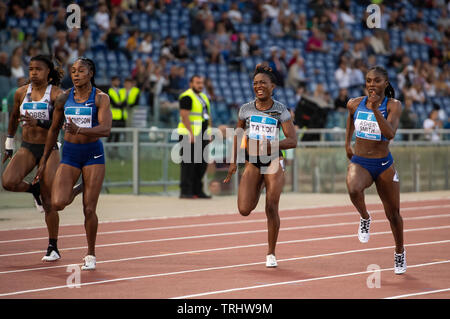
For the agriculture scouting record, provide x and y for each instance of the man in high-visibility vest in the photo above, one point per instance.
(195, 120)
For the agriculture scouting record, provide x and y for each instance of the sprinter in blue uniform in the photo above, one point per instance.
(87, 116)
(33, 107)
(374, 119)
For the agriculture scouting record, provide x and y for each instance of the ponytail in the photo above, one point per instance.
(389, 91)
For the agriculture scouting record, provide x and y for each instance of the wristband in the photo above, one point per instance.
(9, 143)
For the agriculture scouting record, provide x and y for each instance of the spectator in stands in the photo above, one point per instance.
(357, 79)
(297, 74)
(431, 125)
(60, 23)
(17, 70)
(5, 69)
(181, 50)
(278, 67)
(234, 14)
(10, 97)
(395, 60)
(101, 18)
(146, 45)
(408, 118)
(14, 41)
(416, 92)
(48, 26)
(414, 33)
(224, 41)
(340, 103)
(132, 42)
(342, 32)
(302, 29)
(378, 43)
(254, 48)
(358, 52)
(119, 113)
(272, 10)
(276, 28)
(166, 48)
(343, 75)
(442, 85)
(176, 83)
(315, 42)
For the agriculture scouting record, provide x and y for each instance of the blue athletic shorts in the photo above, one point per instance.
(80, 155)
(375, 166)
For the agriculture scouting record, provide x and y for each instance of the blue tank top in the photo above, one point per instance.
(366, 125)
(82, 114)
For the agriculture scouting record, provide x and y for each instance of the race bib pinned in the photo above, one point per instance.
(366, 126)
(81, 116)
(37, 110)
(262, 127)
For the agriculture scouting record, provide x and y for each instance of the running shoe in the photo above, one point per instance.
(36, 192)
(271, 261)
(400, 263)
(89, 263)
(364, 229)
(52, 254)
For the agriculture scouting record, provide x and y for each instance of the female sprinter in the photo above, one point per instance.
(262, 118)
(375, 119)
(88, 117)
(33, 105)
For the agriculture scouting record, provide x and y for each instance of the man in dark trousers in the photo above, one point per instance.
(195, 120)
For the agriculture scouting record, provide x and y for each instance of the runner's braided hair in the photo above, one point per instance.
(389, 92)
(56, 72)
(90, 64)
(265, 69)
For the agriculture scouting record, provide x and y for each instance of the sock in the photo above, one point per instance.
(53, 242)
(34, 188)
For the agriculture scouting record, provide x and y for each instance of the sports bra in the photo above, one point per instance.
(39, 110)
(82, 114)
(366, 125)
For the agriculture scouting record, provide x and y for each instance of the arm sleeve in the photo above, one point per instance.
(186, 103)
(285, 116)
(242, 113)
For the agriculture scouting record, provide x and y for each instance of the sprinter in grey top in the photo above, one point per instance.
(262, 118)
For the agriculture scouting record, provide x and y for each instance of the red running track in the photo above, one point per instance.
(223, 256)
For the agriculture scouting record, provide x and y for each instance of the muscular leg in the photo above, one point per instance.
(274, 187)
(51, 215)
(358, 179)
(249, 189)
(92, 179)
(62, 189)
(20, 166)
(389, 192)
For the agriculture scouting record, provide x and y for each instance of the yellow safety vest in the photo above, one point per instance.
(196, 116)
(118, 113)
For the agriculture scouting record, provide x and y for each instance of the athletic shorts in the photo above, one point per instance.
(80, 155)
(36, 149)
(262, 161)
(375, 166)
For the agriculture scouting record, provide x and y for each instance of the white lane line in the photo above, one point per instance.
(226, 267)
(223, 234)
(223, 249)
(299, 281)
(263, 220)
(301, 209)
(419, 293)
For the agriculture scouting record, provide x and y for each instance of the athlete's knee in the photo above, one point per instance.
(354, 190)
(272, 211)
(89, 212)
(393, 216)
(9, 184)
(58, 204)
(244, 210)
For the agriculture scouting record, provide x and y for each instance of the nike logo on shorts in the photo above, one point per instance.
(97, 156)
(382, 164)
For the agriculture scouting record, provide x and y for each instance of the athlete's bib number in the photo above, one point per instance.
(262, 127)
(37, 110)
(80, 116)
(366, 126)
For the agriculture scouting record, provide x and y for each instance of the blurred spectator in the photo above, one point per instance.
(146, 45)
(132, 42)
(254, 48)
(297, 74)
(119, 113)
(17, 70)
(342, 32)
(60, 20)
(414, 34)
(176, 82)
(315, 42)
(15, 40)
(302, 29)
(276, 28)
(48, 27)
(357, 79)
(395, 60)
(431, 125)
(166, 48)
(181, 50)
(5, 69)
(223, 41)
(358, 52)
(234, 14)
(343, 75)
(416, 92)
(101, 18)
(340, 103)
(10, 97)
(272, 10)
(408, 118)
(277, 66)
(378, 44)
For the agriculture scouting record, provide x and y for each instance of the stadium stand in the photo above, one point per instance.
(205, 38)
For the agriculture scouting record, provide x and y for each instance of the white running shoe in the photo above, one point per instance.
(400, 262)
(271, 261)
(89, 263)
(52, 255)
(364, 229)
